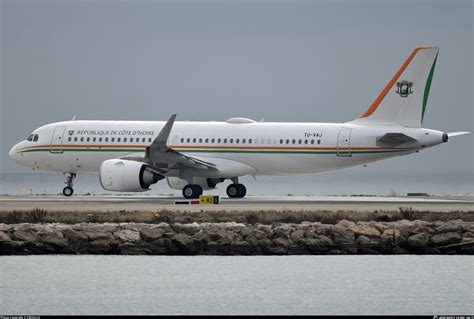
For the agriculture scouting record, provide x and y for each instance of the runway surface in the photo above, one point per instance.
(251, 203)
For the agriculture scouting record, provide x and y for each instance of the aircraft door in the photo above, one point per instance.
(57, 140)
(344, 142)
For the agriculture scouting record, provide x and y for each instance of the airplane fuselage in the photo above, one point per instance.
(269, 148)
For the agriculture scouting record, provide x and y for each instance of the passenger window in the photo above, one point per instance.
(312, 141)
(100, 139)
(69, 139)
(106, 139)
(218, 140)
(319, 141)
(231, 141)
(287, 141)
(144, 139)
(137, 140)
(262, 141)
(75, 139)
(200, 140)
(194, 140)
(112, 139)
(149, 140)
(293, 141)
(82, 139)
(94, 139)
(281, 141)
(237, 141)
(118, 139)
(188, 140)
(225, 141)
(124, 139)
(88, 139)
(212, 141)
(250, 141)
(207, 140)
(243, 141)
(306, 141)
(299, 141)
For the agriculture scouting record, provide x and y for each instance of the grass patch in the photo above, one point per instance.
(253, 217)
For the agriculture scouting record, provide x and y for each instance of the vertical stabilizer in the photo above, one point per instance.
(403, 100)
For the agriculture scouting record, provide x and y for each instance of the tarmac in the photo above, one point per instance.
(250, 203)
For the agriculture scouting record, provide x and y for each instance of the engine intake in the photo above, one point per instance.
(126, 176)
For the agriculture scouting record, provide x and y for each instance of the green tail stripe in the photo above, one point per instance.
(427, 89)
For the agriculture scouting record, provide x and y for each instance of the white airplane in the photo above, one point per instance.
(130, 156)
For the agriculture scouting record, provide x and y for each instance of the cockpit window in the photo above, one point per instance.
(33, 138)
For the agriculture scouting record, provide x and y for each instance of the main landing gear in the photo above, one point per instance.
(68, 191)
(236, 190)
(192, 191)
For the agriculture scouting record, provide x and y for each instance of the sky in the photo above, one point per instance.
(299, 61)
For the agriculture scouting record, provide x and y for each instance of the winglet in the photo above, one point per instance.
(160, 141)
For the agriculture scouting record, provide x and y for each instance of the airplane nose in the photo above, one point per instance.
(12, 153)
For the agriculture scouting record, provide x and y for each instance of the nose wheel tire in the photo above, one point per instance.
(192, 191)
(236, 191)
(68, 191)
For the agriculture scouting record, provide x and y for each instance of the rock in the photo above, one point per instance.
(267, 229)
(188, 229)
(151, 234)
(420, 240)
(283, 230)
(75, 237)
(259, 234)
(132, 249)
(100, 246)
(342, 236)
(55, 240)
(127, 235)
(92, 235)
(5, 227)
(365, 230)
(345, 223)
(391, 234)
(282, 242)
(297, 236)
(4, 236)
(22, 235)
(297, 249)
(241, 248)
(444, 239)
(448, 227)
(13, 248)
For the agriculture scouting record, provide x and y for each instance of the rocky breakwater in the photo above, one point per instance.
(345, 237)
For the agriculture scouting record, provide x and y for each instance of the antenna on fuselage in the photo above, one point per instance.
(73, 118)
(262, 119)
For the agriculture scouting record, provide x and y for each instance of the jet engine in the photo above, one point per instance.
(126, 176)
(205, 183)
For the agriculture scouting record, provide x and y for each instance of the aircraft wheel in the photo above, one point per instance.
(235, 190)
(192, 191)
(68, 191)
(242, 191)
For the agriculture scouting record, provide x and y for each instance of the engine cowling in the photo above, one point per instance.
(205, 183)
(126, 176)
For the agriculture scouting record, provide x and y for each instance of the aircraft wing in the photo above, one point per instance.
(163, 158)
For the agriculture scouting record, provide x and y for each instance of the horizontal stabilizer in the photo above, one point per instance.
(454, 134)
(395, 138)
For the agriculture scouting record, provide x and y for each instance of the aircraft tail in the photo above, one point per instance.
(403, 100)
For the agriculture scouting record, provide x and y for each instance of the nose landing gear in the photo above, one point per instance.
(68, 190)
